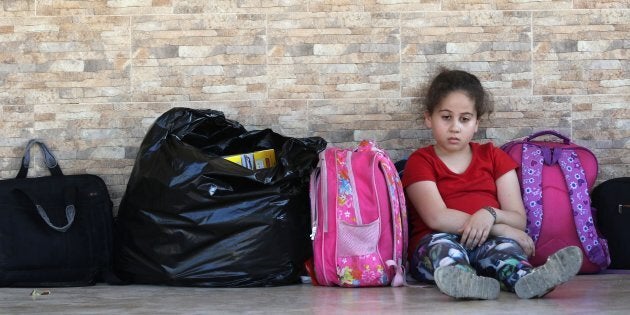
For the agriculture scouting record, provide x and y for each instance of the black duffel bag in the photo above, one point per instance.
(189, 217)
(55, 230)
(611, 198)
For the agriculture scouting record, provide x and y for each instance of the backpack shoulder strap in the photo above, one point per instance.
(314, 192)
(398, 209)
(398, 215)
(531, 179)
(596, 247)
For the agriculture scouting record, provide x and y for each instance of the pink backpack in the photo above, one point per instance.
(555, 178)
(359, 219)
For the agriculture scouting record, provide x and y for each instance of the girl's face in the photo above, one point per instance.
(453, 122)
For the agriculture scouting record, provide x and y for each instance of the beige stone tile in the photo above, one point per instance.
(17, 113)
(494, 45)
(163, 7)
(17, 8)
(394, 124)
(286, 117)
(602, 118)
(64, 60)
(581, 52)
(16, 130)
(99, 7)
(601, 4)
(373, 5)
(460, 5)
(196, 58)
(241, 6)
(517, 117)
(70, 7)
(333, 55)
(336, 5)
(603, 122)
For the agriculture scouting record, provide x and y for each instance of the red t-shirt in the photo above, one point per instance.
(467, 192)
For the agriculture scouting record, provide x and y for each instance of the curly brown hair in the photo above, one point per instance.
(448, 81)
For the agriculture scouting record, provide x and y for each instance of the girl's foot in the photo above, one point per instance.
(558, 269)
(459, 283)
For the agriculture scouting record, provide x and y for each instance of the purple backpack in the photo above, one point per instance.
(359, 219)
(555, 179)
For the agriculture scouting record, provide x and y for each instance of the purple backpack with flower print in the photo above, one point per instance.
(359, 219)
(555, 178)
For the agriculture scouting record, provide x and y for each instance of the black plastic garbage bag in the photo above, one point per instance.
(191, 218)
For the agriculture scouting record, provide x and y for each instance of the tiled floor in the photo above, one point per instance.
(584, 294)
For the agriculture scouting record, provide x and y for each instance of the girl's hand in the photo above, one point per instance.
(521, 238)
(476, 230)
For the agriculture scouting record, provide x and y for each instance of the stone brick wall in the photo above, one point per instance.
(89, 77)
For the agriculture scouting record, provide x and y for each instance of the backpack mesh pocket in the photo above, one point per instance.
(357, 240)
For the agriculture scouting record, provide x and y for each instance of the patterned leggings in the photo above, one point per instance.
(500, 258)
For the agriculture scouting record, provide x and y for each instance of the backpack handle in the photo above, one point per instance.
(566, 140)
(367, 145)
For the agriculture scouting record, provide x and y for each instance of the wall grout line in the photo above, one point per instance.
(400, 39)
(131, 58)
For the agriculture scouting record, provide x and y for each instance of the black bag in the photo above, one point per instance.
(190, 217)
(55, 230)
(612, 201)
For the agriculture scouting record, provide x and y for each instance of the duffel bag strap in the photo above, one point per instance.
(69, 197)
(596, 247)
(49, 159)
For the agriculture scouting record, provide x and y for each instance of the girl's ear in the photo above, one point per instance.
(427, 119)
(477, 124)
